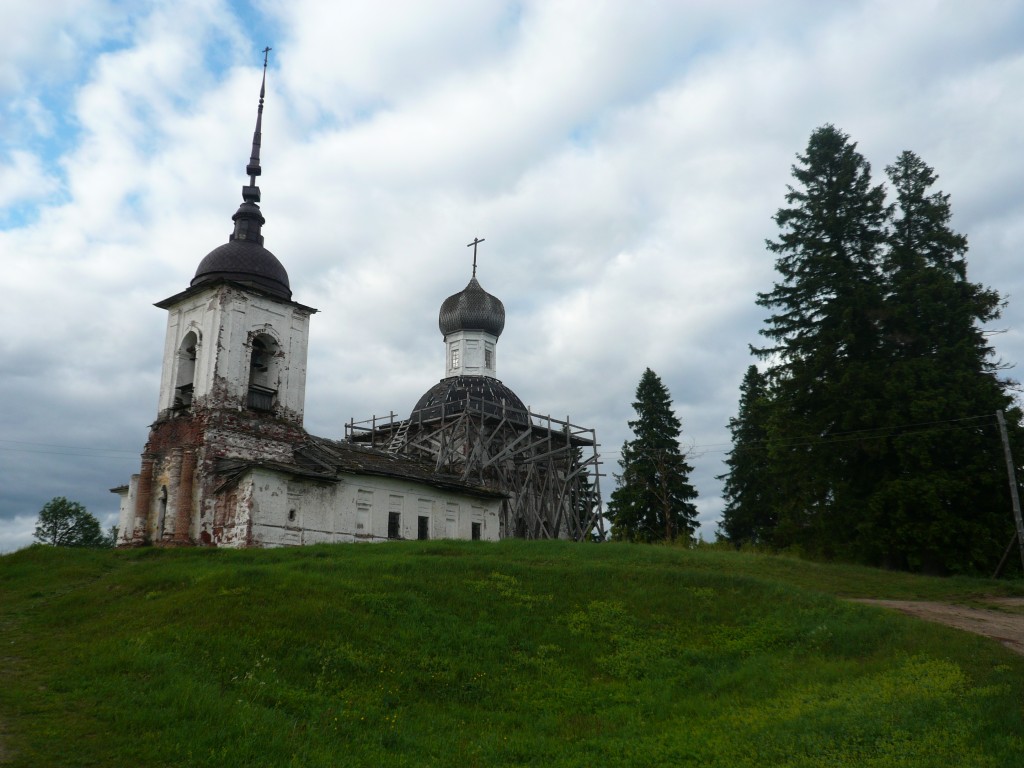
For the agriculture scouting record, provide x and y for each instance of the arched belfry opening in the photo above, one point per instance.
(184, 384)
(264, 380)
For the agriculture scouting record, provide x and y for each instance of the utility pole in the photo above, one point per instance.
(1012, 474)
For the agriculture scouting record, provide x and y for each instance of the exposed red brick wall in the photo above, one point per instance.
(183, 515)
(184, 449)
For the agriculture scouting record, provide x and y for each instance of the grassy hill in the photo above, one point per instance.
(473, 654)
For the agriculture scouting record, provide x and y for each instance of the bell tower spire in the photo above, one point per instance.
(243, 258)
(248, 218)
(251, 193)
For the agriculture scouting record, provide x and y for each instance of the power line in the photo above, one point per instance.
(877, 433)
(872, 433)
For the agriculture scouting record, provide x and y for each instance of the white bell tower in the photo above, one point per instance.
(235, 339)
(232, 388)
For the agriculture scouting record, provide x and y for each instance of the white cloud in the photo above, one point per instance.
(48, 40)
(24, 180)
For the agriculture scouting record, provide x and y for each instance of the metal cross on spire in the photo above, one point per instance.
(475, 243)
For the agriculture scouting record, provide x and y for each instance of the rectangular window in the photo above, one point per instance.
(422, 528)
(488, 358)
(455, 356)
(395, 504)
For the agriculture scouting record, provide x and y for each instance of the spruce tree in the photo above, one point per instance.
(750, 510)
(654, 500)
(877, 403)
(823, 360)
(940, 503)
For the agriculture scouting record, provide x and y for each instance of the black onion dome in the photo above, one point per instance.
(245, 262)
(484, 393)
(472, 309)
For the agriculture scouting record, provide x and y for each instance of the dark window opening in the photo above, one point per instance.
(423, 528)
(186, 372)
(291, 515)
(259, 355)
(394, 525)
(476, 531)
(262, 377)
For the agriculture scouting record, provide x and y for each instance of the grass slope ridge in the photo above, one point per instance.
(469, 654)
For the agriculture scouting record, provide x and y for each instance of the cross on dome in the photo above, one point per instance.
(475, 243)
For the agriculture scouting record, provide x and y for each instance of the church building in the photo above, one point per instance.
(228, 463)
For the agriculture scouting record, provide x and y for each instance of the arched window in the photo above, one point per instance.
(185, 379)
(263, 372)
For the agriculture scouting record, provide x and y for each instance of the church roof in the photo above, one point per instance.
(245, 262)
(472, 309)
(480, 393)
(320, 458)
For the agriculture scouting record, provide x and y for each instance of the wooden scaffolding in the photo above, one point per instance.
(549, 469)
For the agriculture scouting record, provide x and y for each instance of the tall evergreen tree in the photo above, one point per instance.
(941, 503)
(823, 360)
(877, 405)
(750, 510)
(654, 500)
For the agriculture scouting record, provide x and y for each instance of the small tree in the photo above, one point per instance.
(654, 500)
(749, 514)
(64, 523)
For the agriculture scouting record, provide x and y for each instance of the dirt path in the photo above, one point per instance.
(1004, 625)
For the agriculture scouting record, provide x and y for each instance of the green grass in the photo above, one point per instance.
(472, 654)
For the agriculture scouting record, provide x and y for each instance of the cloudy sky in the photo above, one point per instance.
(622, 158)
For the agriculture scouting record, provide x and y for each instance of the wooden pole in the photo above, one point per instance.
(1006, 554)
(1012, 475)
